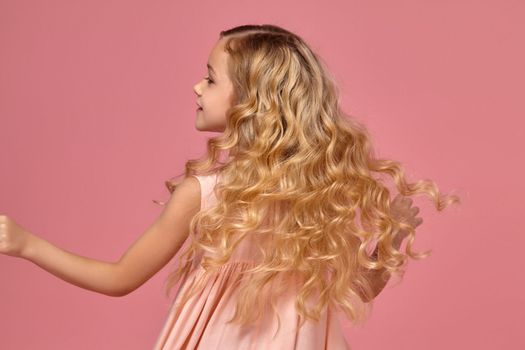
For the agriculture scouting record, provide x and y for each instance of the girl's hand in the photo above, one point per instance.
(13, 238)
(400, 207)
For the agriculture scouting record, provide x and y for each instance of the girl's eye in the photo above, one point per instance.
(209, 80)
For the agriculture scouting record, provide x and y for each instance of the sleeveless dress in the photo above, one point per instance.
(201, 322)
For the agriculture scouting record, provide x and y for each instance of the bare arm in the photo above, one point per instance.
(375, 276)
(401, 209)
(142, 260)
(81, 271)
(162, 240)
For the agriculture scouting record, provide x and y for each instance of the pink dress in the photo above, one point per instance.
(201, 322)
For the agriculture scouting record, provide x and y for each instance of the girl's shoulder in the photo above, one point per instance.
(207, 181)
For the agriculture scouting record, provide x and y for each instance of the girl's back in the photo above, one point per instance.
(201, 323)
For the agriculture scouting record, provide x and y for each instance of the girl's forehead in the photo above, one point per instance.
(217, 52)
(217, 59)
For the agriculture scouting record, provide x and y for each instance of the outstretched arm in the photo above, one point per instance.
(151, 251)
(155, 248)
(81, 271)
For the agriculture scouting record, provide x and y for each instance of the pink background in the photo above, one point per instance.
(97, 110)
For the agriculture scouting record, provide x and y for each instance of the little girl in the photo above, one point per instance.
(282, 229)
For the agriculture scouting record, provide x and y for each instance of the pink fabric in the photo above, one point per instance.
(201, 322)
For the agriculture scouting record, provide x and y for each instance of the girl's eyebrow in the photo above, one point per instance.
(210, 67)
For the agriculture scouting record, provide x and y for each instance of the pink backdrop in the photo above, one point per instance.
(97, 110)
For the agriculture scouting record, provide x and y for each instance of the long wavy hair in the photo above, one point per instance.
(294, 167)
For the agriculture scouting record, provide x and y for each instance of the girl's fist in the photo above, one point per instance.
(13, 238)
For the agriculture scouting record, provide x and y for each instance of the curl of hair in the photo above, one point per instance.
(296, 159)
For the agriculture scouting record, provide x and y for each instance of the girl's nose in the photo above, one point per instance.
(196, 89)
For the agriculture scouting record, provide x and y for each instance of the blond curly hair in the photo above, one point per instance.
(293, 156)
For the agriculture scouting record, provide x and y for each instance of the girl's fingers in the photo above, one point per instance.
(417, 222)
(403, 210)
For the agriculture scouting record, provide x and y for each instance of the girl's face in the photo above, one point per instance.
(214, 92)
